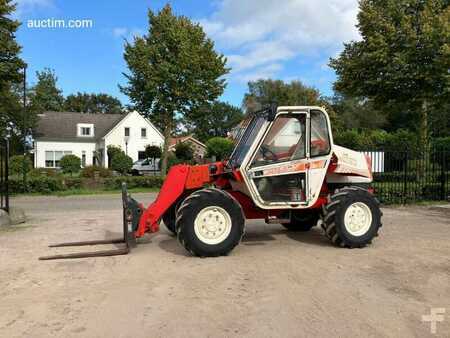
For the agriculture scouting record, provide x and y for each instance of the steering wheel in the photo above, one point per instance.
(265, 150)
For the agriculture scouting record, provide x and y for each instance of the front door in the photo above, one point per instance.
(279, 166)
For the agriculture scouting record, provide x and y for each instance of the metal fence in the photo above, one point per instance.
(407, 176)
(4, 173)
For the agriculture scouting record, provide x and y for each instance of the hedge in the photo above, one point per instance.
(46, 185)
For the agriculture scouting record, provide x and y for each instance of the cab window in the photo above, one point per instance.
(285, 141)
(320, 140)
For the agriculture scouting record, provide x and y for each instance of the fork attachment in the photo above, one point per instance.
(132, 211)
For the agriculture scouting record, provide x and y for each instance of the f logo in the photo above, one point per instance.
(436, 315)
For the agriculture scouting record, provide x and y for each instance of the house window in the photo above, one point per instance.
(52, 158)
(143, 133)
(127, 131)
(85, 131)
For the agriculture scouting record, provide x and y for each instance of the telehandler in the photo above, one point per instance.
(284, 169)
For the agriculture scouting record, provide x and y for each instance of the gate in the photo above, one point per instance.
(4, 173)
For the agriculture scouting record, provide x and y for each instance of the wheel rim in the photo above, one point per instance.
(212, 225)
(358, 218)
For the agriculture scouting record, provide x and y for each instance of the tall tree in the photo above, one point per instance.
(402, 60)
(93, 103)
(173, 69)
(213, 120)
(262, 93)
(45, 95)
(10, 68)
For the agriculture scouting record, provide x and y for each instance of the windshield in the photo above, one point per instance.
(248, 137)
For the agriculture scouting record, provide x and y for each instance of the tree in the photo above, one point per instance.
(219, 147)
(184, 151)
(45, 95)
(213, 120)
(402, 61)
(152, 151)
(262, 93)
(93, 103)
(173, 69)
(121, 163)
(10, 69)
(70, 164)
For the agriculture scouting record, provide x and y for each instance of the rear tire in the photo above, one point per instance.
(302, 221)
(352, 218)
(210, 223)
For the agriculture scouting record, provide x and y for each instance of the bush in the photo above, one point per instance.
(70, 164)
(89, 171)
(153, 151)
(38, 184)
(113, 151)
(16, 164)
(44, 172)
(121, 163)
(184, 151)
(134, 182)
(219, 147)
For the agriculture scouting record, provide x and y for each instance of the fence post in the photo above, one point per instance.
(405, 177)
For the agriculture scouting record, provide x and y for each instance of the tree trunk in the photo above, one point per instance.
(424, 126)
(165, 152)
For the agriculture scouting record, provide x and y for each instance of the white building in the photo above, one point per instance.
(89, 135)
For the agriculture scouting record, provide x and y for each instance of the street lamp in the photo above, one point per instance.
(126, 139)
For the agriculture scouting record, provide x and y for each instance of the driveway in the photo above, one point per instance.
(275, 284)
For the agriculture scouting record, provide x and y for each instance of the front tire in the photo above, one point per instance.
(210, 223)
(352, 218)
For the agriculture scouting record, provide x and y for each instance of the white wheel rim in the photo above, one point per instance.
(212, 225)
(357, 219)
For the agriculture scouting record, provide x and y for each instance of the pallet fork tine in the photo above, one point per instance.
(128, 238)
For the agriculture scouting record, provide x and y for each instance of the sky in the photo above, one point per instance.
(287, 39)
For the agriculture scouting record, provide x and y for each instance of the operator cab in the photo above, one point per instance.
(283, 157)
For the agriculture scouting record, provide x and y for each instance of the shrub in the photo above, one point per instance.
(43, 172)
(113, 150)
(70, 164)
(219, 147)
(153, 151)
(121, 163)
(184, 151)
(134, 182)
(16, 164)
(89, 171)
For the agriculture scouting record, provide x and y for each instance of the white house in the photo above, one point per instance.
(89, 135)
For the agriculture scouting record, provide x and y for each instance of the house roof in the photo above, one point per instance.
(174, 140)
(62, 126)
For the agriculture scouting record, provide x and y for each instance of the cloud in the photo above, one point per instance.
(127, 33)
(30, 6)
(255, 34)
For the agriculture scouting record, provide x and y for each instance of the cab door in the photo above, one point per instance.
(278, 169)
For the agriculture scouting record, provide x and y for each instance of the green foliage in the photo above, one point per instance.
(402, 61)
(401, 140)
(172, 69)
(184, 151)
(121, 163)
(44, 95)
(153, 151)
(263, 93)
(173, 160)
(441, 143)
(70, 164)
(219, 147)
(93, 103)
(113, 151)
(134, 182)
(92, 170)
(213, 120)
(10, 67)
(16, 164)
(50, 172)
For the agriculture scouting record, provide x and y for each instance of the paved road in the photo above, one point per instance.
(275, 284)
